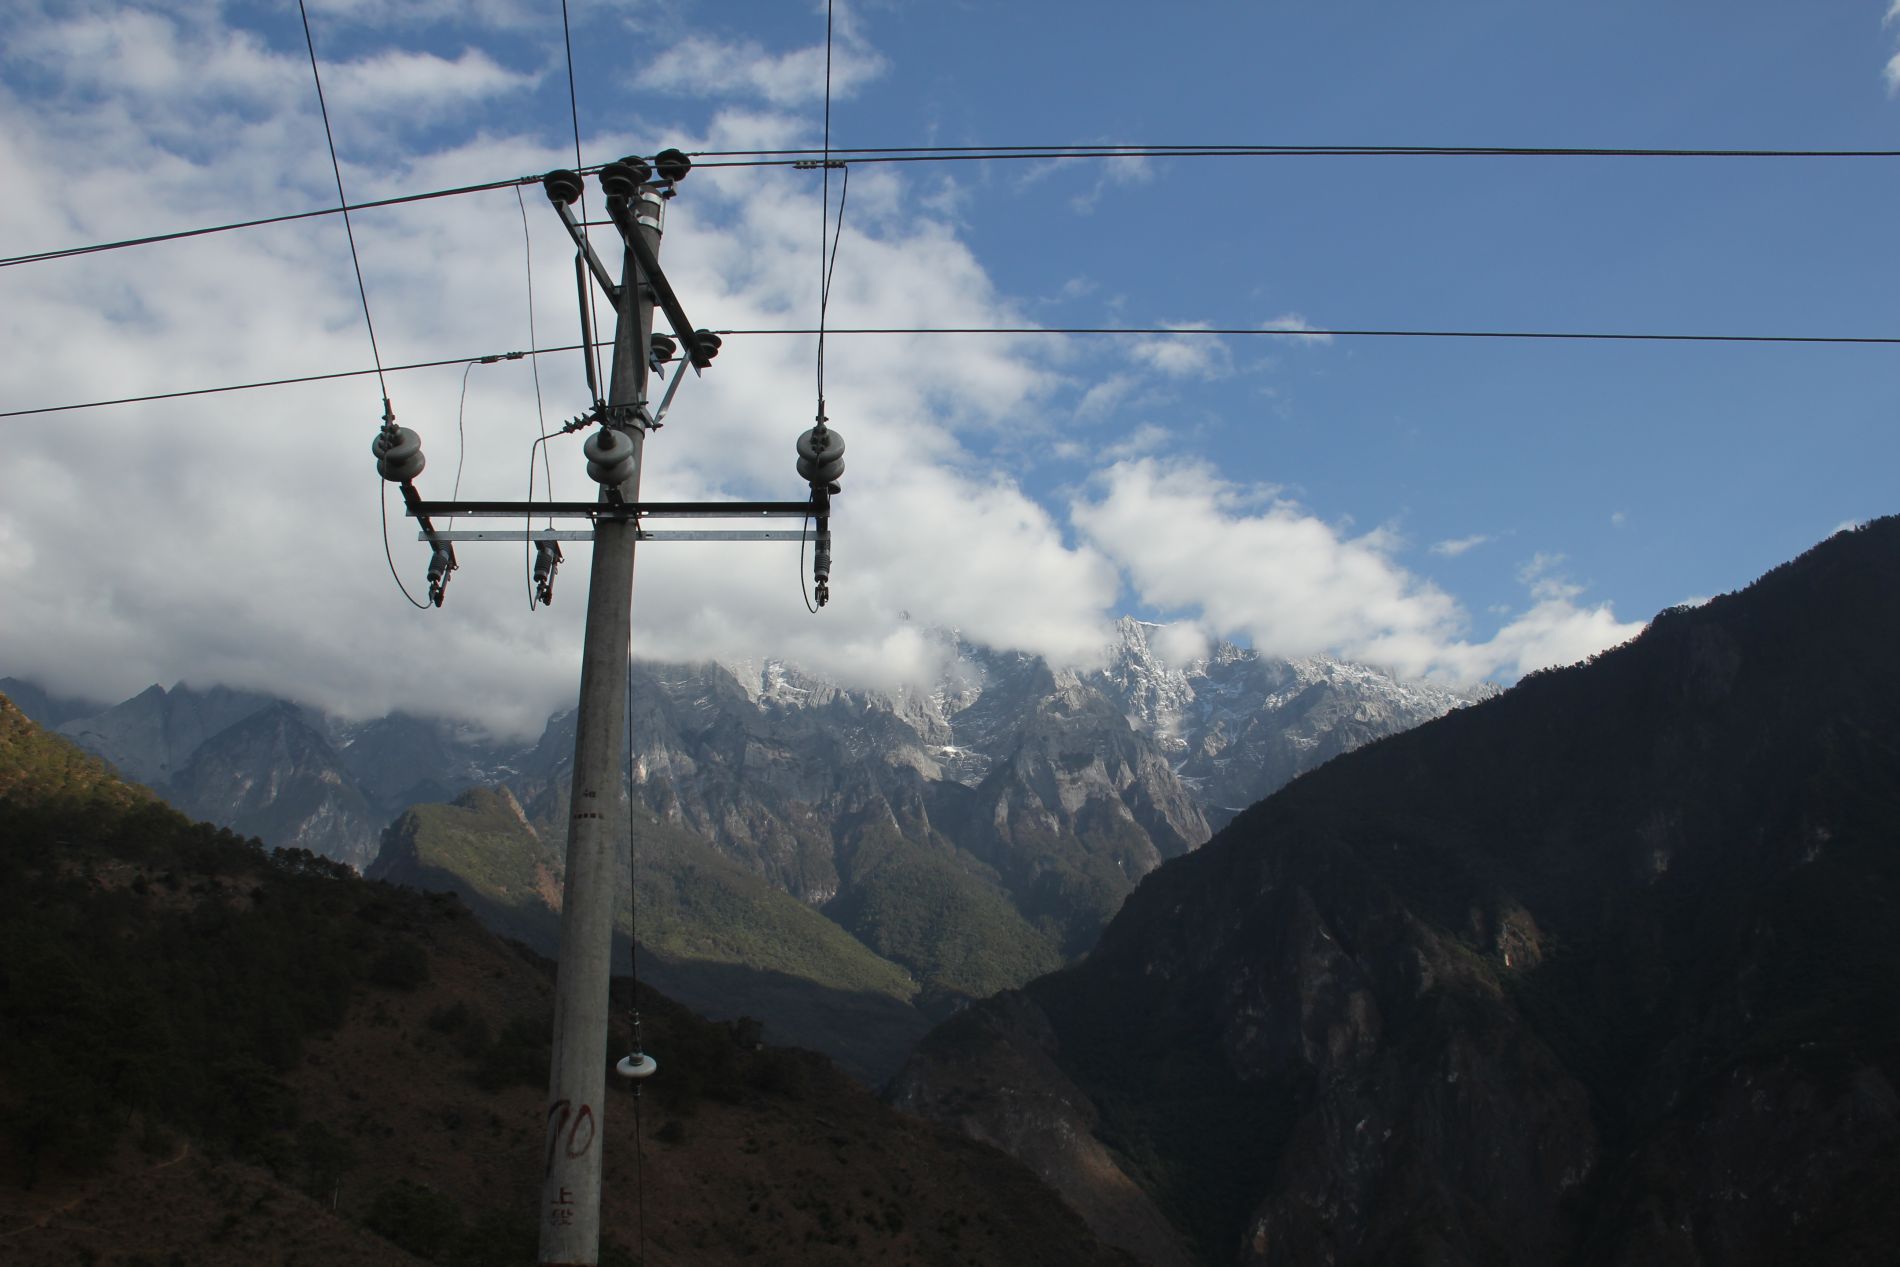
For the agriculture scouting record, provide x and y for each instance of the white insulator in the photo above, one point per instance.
(638, 1065)
(398, 454)
(609, 457)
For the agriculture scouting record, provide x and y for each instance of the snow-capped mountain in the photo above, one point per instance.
(1031, 797)
(1238, 725)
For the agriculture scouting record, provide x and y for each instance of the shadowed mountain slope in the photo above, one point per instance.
(215, 1056)
(712, 934)
(1604, 970)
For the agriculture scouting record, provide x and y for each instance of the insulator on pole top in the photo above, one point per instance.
(609, 453)
(672, 165)
(564, 188)
(821, 458)
(623, 179)
(398, 454)
(705, 347)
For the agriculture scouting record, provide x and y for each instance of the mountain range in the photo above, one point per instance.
(1605, 970)
(1599, 972)
(968, 834)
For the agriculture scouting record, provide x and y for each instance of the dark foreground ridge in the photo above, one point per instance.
(211, 1055)
(1603, 971)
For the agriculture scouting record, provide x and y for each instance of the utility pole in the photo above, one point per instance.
(597, 813)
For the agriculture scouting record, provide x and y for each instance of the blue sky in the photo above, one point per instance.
(1462, 509)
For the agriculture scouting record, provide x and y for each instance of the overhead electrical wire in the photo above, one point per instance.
(95, 248)
(362, 292)
(540, 412)
(574, 115)
(1315, 333)
(1008, 153)
(827, 266)
(343, 204)
(707, 159)
(1013, 331)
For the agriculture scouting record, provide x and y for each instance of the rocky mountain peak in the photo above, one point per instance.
(1599, 971)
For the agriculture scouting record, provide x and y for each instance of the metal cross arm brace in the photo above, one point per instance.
(539, 535)
(421, 510)
(586, 248)
(701, 346)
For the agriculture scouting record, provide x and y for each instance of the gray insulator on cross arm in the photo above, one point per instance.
(811, 445)
(398, 454)
(609, 457)
(820, 457)
(813, 473)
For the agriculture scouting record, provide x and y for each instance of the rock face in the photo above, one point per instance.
(1238, 726)
(1602, 971)
(977, 830)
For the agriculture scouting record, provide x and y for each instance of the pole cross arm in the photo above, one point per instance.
(422, 510)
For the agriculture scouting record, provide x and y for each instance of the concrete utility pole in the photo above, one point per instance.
(570, 1196)
(598, 816)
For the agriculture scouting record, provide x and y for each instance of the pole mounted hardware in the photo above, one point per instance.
(547, 561)
(398, 454)
(617, 420)
(821, 464)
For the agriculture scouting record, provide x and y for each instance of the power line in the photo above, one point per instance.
(952, 153)
(67, 252)
(574, 115)
(281, 382)
(1599, 336)
(343, 203)
(1277, 332)
(1004, 153)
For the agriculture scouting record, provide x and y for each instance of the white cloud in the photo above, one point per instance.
(700, 66)
(490, 14)
(1618, 518)
(1555, 631)
(134, 54)
(244, 545)
(1190, 541)
(1245, 562)
(400, 81)
(1182, 356)
(1893, 63)
(1122, 171)
(1181, 642)
(247, 548)
(1294, 321)
(1456, 546)
(1537, 567)
(1106, 396)
(1145, 439)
